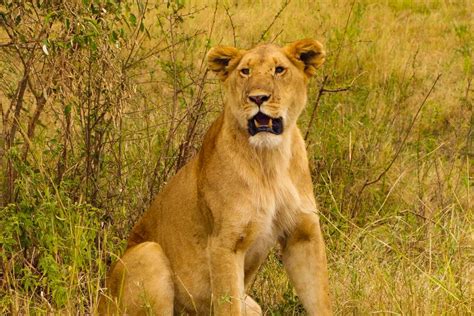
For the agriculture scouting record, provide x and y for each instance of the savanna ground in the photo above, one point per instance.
(103, 100)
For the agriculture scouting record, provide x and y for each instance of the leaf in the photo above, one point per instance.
(49, 17)
(114, 37)
(67, 109)
(45, 49)
(133, 19)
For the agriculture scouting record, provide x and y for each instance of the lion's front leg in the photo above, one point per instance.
(304, 258)
(227, 277)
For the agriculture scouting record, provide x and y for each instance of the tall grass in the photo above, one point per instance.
(102, 101)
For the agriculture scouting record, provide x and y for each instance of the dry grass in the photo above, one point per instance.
(400, 245)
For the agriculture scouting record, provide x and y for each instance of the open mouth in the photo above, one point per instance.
(264, 123)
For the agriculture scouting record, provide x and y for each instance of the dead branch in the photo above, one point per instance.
(339, 49)
(315, 107)
(321, 91)
(277, 15)
(231, 24)
(368, 182)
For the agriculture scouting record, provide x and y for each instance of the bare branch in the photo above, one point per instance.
(399, 150)
(231, 24)
(315, 107)
(339, 49)
(277, 15)
(323, 90)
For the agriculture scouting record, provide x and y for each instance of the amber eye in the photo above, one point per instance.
(279, 70)
(245, 71)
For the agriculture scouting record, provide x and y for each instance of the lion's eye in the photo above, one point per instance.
(279, 70)
(245, 71)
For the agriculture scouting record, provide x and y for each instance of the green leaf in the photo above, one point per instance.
(67, 109)
(49, 17)
(133, 19)
(114, 37)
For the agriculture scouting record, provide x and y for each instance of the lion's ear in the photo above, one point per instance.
(306, 54)
(223, 59)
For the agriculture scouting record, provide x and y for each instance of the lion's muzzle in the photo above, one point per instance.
(264, 123)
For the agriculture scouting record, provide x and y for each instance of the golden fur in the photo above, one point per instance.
(200, 244)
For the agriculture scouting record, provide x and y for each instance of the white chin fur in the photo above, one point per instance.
(265, 140)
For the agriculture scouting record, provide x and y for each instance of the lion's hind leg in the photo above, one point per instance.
(140, 283)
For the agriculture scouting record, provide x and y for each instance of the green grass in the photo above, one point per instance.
(102, 145)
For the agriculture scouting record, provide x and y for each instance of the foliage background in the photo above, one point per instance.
(103, 100)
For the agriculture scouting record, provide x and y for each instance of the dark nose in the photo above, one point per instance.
(259, 99)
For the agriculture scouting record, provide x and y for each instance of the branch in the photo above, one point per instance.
(336, 90)
(387, 168)
(316, 104)
(231, 24)
(283, 7)
(321, 91)
(344, 35)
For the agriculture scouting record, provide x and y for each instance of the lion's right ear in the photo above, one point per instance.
(223, 59)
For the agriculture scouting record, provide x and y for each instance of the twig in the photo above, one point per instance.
(469, 137)
(321, 91)
(315, 107)
(283, 7)
(135, 34)
(177, 88)
(387, 168)
(231, 24)
(153, 52)
(40, 103)
(16, 106)
(336, 90)
(208, 45)
(276, 36)
(7, 44)
(339, 49)
(195, 111)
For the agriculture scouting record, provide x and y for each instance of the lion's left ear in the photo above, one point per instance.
(223, 59)
(306, 54)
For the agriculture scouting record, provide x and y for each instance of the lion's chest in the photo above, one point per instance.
(275, 212)
(276, 207)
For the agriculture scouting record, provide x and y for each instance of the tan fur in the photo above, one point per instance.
(212, 226)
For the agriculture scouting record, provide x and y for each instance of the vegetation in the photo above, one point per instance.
(103, 100)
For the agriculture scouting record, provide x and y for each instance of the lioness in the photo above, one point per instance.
(199, 246)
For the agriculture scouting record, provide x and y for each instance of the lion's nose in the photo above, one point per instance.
(259, 99)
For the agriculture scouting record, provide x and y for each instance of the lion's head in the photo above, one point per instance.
(266, 85)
